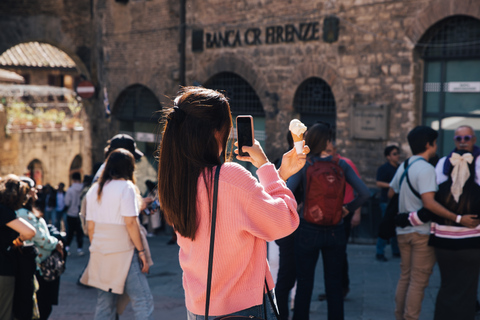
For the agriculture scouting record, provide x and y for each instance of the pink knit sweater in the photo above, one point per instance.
(248, 214)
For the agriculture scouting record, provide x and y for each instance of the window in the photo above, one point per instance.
(314, 101)
(451, 91)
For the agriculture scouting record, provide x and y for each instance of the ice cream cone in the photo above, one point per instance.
(297, 138)
(297, 129)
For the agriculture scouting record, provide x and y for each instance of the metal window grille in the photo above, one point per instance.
(137, 103)
(314, 96)
(242, 98)
(453, 37)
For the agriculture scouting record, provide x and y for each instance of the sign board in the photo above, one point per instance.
(370, 122)
(462, 87)
(85, 89)
(144, 137)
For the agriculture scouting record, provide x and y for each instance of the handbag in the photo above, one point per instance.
(210, 264)
(52, 267)
(386, 229)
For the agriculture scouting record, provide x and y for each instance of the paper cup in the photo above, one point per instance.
(299, 146)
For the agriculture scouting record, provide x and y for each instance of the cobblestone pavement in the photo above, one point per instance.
(371, 296)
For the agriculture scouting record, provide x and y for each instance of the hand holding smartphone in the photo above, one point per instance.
(245, 133)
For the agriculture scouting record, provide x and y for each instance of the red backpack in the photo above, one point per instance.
(325, 193)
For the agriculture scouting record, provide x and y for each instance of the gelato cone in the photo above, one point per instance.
(297, 129)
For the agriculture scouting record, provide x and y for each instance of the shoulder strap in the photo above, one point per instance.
(212, 240)
(405, 174)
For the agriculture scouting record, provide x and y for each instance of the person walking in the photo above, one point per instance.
(45, 244)
(72, 201)
(13, 232)
(118, 261)
(249, 211)
(313, 238)
(385, 174)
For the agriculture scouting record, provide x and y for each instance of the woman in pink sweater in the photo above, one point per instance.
(249, 212)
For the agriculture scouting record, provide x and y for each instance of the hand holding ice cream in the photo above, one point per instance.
(297, 129)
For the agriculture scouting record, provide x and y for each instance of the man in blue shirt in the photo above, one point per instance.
(385, 174)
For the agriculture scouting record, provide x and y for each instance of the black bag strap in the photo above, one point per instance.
(407, 166)
(212, 240)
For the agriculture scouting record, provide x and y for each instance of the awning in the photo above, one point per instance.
(35, 54)
(11, 77)
(25, 90)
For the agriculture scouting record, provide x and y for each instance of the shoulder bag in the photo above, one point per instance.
(386, 229)
(210, 264)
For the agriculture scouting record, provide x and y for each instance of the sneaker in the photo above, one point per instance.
(381, 257)
(150, 235)
(80, 252)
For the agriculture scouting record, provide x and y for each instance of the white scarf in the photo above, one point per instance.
(460, 173)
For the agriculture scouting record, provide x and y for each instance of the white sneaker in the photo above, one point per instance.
(80, 252)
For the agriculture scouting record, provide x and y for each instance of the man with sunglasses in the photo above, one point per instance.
(464, 139)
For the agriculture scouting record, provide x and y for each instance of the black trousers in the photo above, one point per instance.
(74, 228)
(347, 224)
(459, 271)
(287, 274)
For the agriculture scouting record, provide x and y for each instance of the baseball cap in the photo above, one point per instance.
(126, 142)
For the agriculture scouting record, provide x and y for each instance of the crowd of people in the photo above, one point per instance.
(222, 217)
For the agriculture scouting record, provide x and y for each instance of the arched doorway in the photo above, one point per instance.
(243, 100)
(75, 166)
(314, 101)
(138, 111)
(451, 89)
(35, 171)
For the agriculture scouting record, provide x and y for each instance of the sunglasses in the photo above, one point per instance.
(464, 138)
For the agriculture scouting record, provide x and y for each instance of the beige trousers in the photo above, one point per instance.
(417, 261)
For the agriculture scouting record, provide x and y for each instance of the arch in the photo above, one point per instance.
(243, 68)
(242, 97)
(438, 10)
(319, 69)
(137, 103)
(447, 70)
(35, 171)
(47, 29)
(76, 164)
(314, 101)
(437, 40)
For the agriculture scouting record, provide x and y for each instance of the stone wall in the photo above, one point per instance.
(373, 62)
(55, 149)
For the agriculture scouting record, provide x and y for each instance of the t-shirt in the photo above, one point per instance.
(7, 235)
(60, 201)
(119, 199)
(423, 180)
(385, 173)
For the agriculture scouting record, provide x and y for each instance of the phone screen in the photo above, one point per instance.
(244, 133)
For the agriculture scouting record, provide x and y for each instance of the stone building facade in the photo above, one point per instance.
(364, 59)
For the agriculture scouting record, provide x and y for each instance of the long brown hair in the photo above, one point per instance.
(13, 192)
(189, 147)
(120, 165)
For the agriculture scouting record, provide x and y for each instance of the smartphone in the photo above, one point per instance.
(245, 135)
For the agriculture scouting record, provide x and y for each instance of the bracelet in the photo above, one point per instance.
(140, 251)
(18, 242)
(458, 218)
